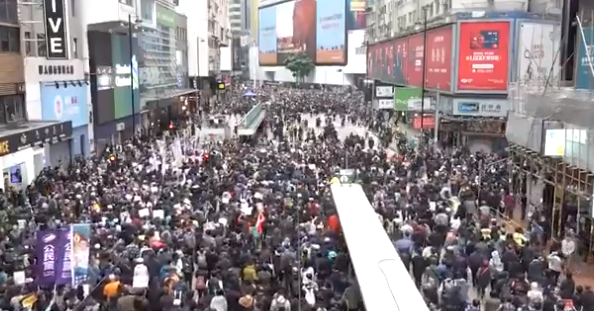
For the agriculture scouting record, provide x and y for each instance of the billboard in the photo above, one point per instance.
(400, 60)
(415, 60)
(331, 33)
(438, 66)
(583, 75)
(317, 28)
(538, 46)
(65, 103)
(267, 36)
(483, 56)
(356, 53)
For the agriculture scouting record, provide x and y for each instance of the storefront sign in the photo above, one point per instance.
(53, 70)
(428, 123)
(555, 143)
(483, 62)
(65, 104)
(386, 91)
(49, 134)
(55, 38)
(409, 99)
(385, 104)
(480, 108)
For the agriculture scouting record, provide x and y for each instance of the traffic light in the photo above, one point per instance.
(112, 158)
(171, 126)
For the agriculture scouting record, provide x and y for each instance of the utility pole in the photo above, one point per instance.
(436, 129)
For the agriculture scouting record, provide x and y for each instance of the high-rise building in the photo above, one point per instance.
(208, 31)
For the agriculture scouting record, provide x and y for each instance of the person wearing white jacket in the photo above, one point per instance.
(218, 302)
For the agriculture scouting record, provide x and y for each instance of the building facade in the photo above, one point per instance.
(208, 31)
(56, 82)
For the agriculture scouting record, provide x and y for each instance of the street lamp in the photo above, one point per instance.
(131, 57)
(423, 68)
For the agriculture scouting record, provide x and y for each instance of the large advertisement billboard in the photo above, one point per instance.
(317, 28)
(438, 63)
(483, 56)
(538, 46)
(267, 36)
(330, 29)
(356, 53)
(415, 60)
(583, 76)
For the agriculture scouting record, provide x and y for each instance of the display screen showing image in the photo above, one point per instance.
(16, 176)
(330, 40)
(267, 36)
(317, 28)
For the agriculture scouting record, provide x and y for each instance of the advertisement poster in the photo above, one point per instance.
(438, 67)
(81, 239)
(65, 104)
(356, 14)
(125, 79)
(583, 77)
(295, 29)
(483, 56)
(357, 53)
(331, 33)
(538, 47)
(401, 60)
(386, 56)
(267, 36)
(415, 60)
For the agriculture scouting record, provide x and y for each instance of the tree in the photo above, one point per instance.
(300, 65)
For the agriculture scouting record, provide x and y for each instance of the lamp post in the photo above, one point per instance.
(423, 68)
(131, 56)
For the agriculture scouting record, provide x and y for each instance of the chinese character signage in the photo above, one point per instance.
(415, 60)
(483, 56)
(60, 254)
(480, 108)
(438, 66)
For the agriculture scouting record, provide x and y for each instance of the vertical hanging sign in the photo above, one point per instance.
(55, 29)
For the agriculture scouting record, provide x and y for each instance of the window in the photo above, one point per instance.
(13, 109)
(75, 47)
(3, 11)
(41, 46)
(14, 40)
(4, 40)
(28, 43)
(73, 8)
(12, 11)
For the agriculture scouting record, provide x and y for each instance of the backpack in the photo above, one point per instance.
(202, 260)
(200, 283)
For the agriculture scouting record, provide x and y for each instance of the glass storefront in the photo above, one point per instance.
(158, 67)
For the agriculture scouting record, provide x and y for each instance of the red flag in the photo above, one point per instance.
(260, 223)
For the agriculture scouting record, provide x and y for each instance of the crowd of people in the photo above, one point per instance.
(233, 225)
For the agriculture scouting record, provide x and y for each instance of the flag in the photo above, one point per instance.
(260, 221)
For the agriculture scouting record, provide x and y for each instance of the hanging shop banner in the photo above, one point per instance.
(483, 56)
(584, 77)
(438, 65)
(428, 122)
(415, 60)
(480, 108)
(538, 46)
(409, 99)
